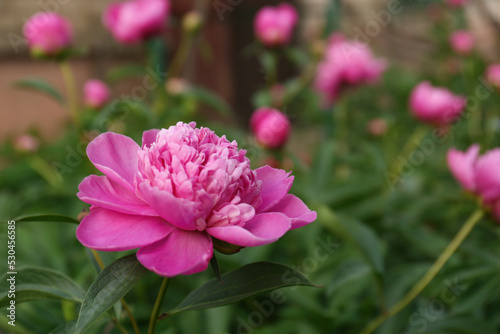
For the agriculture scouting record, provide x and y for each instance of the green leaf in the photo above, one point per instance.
(361, 235)
(125, 71)
(211, 100)
(46, 218)
(39, 283)
(112, 283)
(239, 284)
(41, 86)
(66, 328)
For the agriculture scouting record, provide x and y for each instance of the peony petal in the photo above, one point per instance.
(261, 230)
(103, 192)
(149, 137)
(179, 212)
(275, 185)
(109, 230)
(116, 156)
(487, 173)
(461, 165)
(181, 253)
(296, 210)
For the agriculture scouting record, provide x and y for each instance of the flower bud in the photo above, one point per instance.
(435, 105)
(49, 35)
(493, 75)
(225, 247)
(462, 42)
(270, 127)
(96, 93)
(273, 26)
(136, 20)
(26, 143)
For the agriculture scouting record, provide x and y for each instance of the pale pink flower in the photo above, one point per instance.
(478, 174)
(179, 195)
(346, 64)
(96, 93)
(273, 26)
(462, 42)
(493, 75)
(48, 34)
(136, 20)
(270, 126)
(435, 105)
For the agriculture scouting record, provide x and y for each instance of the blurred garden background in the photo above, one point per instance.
(374, 149)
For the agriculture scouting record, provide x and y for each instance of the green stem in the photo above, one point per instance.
(69, 81)
(429, 275)
(156, 309)
(45, 170)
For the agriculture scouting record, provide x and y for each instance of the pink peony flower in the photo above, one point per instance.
(136, 20)
(270, 126)
(96, 93)
(493, 75)
(462, 42)
(478, 174)
(273, 26)
(179, 195)
(346, 64)
(456, 3)
(435, 105)
(48, 34)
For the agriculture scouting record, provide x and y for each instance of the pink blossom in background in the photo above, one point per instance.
(462, 42)
(96, 93)
(346, 64)
(270, 127)
(273, 26)
(435, 105)
(48, 34)
(479, 174)
(136, 20)
(178, 194)
(377, 127)
(493, 75)
(456, 3)
(26, 143)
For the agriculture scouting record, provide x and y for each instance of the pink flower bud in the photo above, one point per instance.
(462, 164)
(26, 143)
(48, 34)
(273, 26)
(136, 20)
(487, 176)
(377, 127)
(462, 42)
(435, 105)
(270, 126)
(493, 75)
(346, 64)
(96, 93)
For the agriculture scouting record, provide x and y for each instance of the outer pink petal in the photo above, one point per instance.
(109, 230)
(461, 165)
(149, 137)
(296, 210)
(181, 253)
(275, 185)
(261, 230)
(487, 172)
(116, 156)
(177, 211)
(103, 192)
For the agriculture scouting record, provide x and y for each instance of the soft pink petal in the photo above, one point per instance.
(275, 185)
(261, 230)
(461, 165)
(116, 156)
(181, 253)
(179, 212)
(149, 137)
(103, 192)
(296, 210)
(487, 173)
(109, 230)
